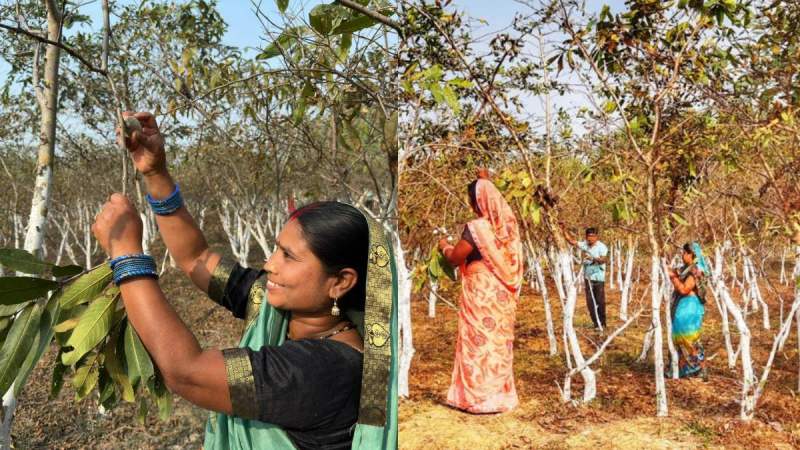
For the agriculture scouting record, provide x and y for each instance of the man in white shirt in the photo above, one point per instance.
(594, 273)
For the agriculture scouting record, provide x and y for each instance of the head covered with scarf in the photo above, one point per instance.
(496, 234)
(699, 259)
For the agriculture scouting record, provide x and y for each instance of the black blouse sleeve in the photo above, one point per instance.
(300, 385)
(232, 285)
(467, 236)
(475, 254)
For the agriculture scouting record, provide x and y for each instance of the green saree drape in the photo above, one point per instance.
(377, 420)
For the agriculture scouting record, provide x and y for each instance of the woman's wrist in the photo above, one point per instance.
(159, 184)
(127, 249)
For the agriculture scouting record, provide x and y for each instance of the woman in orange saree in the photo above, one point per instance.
(489, 255)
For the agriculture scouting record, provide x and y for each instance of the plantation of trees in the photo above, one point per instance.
(681, 125)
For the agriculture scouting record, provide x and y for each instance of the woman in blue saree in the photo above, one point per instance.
(316, 365)
(688, 311)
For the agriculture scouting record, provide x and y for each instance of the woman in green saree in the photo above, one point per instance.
(316, 365)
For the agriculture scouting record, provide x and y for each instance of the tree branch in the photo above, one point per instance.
(66, 48)
(372, 14)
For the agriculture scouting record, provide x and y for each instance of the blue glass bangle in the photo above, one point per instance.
(167, 206)
(129, 266)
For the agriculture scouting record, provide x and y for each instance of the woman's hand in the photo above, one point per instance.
(672, 273)
(443, 244)
(118, 227)
(147, 146)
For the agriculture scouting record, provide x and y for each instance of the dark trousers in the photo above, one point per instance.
(596, 301)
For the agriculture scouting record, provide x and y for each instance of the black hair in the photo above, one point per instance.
(472, 189)
(591, 230)
(338, 234)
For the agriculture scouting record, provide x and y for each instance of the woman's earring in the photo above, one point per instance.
(335, 309)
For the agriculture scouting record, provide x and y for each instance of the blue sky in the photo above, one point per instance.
(498, 15)
(244, 29)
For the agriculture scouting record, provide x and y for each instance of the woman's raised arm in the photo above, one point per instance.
(182, 236)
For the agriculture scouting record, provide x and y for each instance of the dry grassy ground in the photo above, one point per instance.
(61, 423)
(701, 415)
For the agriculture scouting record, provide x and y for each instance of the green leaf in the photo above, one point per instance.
(283, 42)
(345, 43)
(21, 338)
(10, 310)
(447, 268)
(451, 99)
(21, 261)
(57, 381)
(93, 326)
(113, 364)
(141, 415)
(106, 388)
(679, 219)
(353, 25)
(49, 317)
(66, 271)
(15, 290)
(282, 5)
(322, 18)
(66, 325)
(140, 366)
(162, 395)
(536, 213)
(434, 269)
(86, 376)
(86, 287)
(436, 92)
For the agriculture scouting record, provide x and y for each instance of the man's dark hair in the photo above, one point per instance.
(591, 230)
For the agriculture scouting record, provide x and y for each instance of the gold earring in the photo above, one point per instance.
(335, 309)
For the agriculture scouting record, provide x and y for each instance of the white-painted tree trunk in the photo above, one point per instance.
(667, 290)
(783, 279)
(555, 272)
(620, 265)
(47, 97)
(548, 317)
(797, 322)
(658, 345)
(236, 230)
(569, 281)
(751, 281)
(647, 344)
(404, 316)
(723, 309)
(433, 288)
(748, 376)
(626, 284)
(611, 266)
